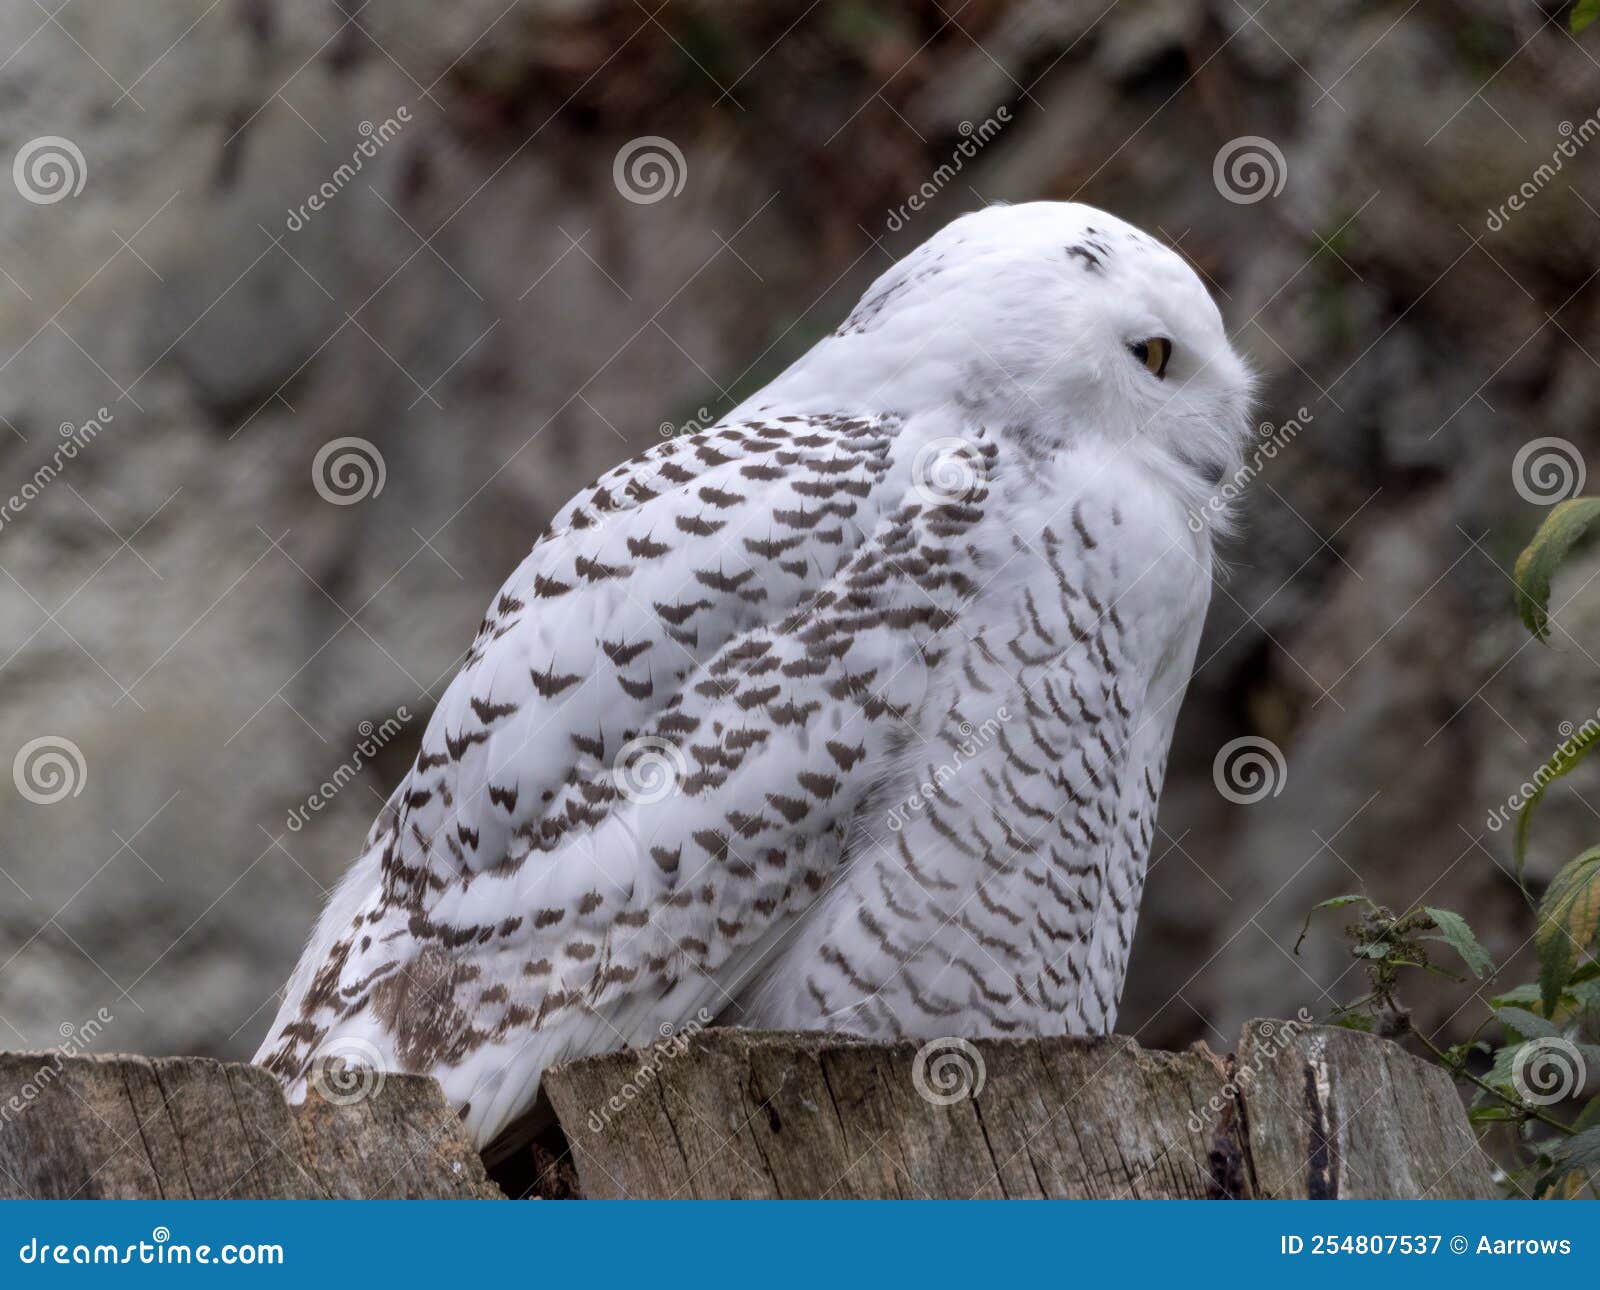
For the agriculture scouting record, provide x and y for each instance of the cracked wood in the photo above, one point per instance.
(1294, 1112)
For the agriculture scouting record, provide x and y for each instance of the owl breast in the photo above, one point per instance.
(991, 882)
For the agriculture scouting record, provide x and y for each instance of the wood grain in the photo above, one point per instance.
(189, 1127)
(1294, 1112)
(1298, 1111)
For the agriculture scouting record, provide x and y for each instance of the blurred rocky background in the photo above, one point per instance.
(214, 664)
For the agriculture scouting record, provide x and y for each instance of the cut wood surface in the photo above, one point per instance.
(1295, 1111)
(1299, 1111)
(187, 1127)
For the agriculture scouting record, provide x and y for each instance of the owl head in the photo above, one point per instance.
(1052, 318)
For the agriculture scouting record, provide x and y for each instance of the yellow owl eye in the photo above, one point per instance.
(1154, 353)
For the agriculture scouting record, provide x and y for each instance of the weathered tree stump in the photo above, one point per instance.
(188, 1127)
(1297, 1111)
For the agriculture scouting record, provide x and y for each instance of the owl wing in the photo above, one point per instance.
(636, 584)
(643, 772)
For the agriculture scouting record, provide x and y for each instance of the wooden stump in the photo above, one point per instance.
(189, 1127)
(1297, 1111)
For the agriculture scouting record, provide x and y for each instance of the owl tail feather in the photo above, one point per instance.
(314, 1027)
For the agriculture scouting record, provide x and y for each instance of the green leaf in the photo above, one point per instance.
(1567, 756)
(1519, 996)
(1354, 1021)
(1333, 902)
(1499, 1073)
(1530, 1025)
(1490, 1113)
(1428, 967)
(1569, 919)
(1581, 1151)
(1583, 14)
(1584, 999)
(1560, 532)
(1590, 1115)
(1455, 933)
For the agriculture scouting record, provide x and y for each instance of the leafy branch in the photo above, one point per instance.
(1550, 1027)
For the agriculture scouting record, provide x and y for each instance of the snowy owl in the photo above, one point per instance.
(850, 712)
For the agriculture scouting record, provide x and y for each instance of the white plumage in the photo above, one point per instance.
(850, 712)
